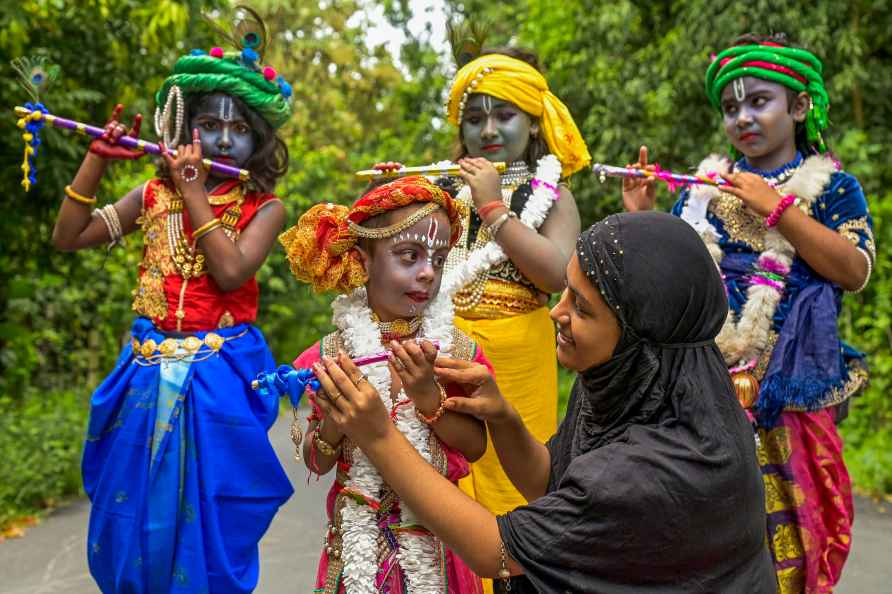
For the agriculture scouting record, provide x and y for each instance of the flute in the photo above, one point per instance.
(444, 169)
(673, 179)
(307, 375)
(132, 143)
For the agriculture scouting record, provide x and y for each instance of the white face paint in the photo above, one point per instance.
(226, 109)
(487, 104)
(428, 239)
(739, 89)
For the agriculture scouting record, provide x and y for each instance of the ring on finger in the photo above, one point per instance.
(359, 381)
(189, 173)
(334, 396)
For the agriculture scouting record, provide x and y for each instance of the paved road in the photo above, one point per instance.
(50, 559)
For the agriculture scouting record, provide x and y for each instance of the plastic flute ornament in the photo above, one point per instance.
(125, 141)
(674, 180)
(444, 169)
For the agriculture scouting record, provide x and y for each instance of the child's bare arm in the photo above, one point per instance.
(76, 227)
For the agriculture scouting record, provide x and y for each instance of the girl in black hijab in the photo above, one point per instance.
(651, 483)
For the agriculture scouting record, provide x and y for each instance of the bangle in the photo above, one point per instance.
(487, 208)
(206, 228)
(772, 219)
(437, 413)
(88, 200)
(325, 448)
(503, 574)
(499, 222)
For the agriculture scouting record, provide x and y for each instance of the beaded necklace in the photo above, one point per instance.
(467, 298)
(188, 259)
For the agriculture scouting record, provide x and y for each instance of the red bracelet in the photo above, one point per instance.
(785, 202)
(487, 208)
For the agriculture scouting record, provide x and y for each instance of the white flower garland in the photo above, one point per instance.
(418, 554)
(548, 171)
(744, 339)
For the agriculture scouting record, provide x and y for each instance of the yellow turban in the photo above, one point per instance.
(516, 81)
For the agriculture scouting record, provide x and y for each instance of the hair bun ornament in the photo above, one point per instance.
(320, 250)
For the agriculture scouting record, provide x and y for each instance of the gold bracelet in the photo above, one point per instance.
(325, 448)
(89, 201)
(206, 228)
(437, 413)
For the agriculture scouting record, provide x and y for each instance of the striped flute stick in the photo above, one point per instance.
(133, 143)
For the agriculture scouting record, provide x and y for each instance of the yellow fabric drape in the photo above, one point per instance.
(516, 81)
(522, 352)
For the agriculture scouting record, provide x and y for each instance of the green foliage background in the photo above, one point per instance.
(631, 73)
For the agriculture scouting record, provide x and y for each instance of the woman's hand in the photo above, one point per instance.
(639, 193)
(107, 147)
(483, 179)
(350, 401)
(753, 191)
(484, 400)
(186, 169)
(413, 363)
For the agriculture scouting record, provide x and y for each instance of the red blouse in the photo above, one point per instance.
(191, 302)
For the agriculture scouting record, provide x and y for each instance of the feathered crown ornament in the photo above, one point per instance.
(34, 75)
(240, 74)
(466, 40)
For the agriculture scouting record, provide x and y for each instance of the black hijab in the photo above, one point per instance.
(654, 482)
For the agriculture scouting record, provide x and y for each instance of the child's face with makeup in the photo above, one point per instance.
(762, 125)
(405, 270)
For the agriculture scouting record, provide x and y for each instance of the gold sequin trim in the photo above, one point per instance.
(148, 296)
(850, 229)
(190, 348)
(858, 378)
(501, 299)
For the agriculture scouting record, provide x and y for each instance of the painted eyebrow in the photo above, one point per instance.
(209, 116)
(496, 104)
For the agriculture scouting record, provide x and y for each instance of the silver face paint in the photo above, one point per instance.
(739, 89)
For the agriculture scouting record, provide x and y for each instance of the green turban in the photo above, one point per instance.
(794, 68)
(261, 89)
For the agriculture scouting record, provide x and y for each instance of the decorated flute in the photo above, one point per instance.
(127, 141)
(307, 375)
(443, 169)
(674, 180)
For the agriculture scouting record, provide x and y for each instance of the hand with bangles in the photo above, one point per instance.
(186, 169)
(107, 147)
(483, 179)
(349, 401)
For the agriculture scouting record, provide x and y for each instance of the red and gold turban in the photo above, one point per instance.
(321, 248)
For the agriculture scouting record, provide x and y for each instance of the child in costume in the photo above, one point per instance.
(177, 463)
(386, 254)
(519, 234)
(790, 234)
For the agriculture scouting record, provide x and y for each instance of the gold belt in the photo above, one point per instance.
(149, 352)
(502, 299)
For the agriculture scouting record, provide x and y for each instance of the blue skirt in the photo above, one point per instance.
(179, 468)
